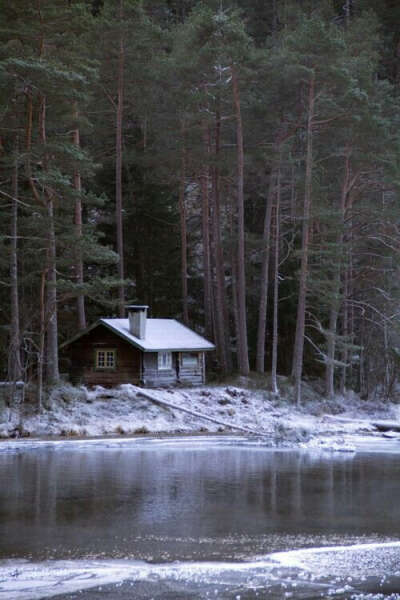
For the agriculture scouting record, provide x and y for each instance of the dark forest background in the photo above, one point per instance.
(234, 165)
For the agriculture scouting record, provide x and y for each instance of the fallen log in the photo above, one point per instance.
(194, 413)
(379, 425)
(392, 435)
(386, 425)
(340, 419)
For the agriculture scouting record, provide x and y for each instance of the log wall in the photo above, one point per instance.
(81, 356)
(193, 374)
(185, 375)
(152, 376)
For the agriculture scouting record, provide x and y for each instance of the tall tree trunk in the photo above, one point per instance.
(351, 310)
(345, 333)
(14, 356)
(335, 303)
(205, 212)
(275, 19)
(243, 353)
(52, 372)
(221, 310)
(331, 345)
(234, 291)
(363, 374)
(28, 144)
(386, 357)
(301, 303)
(348, 317)
(80, 301)
(275, 333)
(182, 213)
(263, 304)
(118, 166)
(42, 333)
(347, 11)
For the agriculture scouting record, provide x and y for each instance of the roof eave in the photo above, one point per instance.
(179, 349)
(81, 333)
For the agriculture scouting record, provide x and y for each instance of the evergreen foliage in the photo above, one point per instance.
(258, 155)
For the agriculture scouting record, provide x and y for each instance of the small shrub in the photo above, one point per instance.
(333, 407)
(232, 392)
(224, 401)
(142, 429)
(68, 432)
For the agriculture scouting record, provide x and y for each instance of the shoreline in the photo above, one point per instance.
(326, 444)
(78, 414)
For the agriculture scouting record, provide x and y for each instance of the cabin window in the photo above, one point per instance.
(190, 359)
(164, 360)
(106, 358)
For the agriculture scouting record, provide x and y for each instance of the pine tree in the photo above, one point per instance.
(50, 79)
(321, 78)
(210, 38)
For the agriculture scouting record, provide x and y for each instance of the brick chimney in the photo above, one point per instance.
(137, 316)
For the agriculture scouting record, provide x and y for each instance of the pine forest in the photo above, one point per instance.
(231, 164)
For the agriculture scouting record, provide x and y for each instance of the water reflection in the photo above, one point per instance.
(85, 502)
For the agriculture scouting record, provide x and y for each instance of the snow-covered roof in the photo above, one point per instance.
(161, 334)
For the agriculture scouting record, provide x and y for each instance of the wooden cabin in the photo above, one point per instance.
(137, 350)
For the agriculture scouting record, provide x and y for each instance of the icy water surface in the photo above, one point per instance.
(197, 518)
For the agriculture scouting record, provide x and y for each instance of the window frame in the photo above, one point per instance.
(164, 365)
(194, 363)
(105, 367)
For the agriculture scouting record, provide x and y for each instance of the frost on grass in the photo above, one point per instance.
(71, 411)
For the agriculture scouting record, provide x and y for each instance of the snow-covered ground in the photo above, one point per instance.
(339, 572)
(123, 411)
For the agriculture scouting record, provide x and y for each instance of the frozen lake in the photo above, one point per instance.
(196, 518)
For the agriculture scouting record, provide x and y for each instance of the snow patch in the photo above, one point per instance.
(79, 412)
(25, 580)
(374, 559)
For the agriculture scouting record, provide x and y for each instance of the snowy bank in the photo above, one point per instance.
(124, 411)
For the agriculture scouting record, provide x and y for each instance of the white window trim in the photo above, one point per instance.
(164, 361)
(106, 367)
